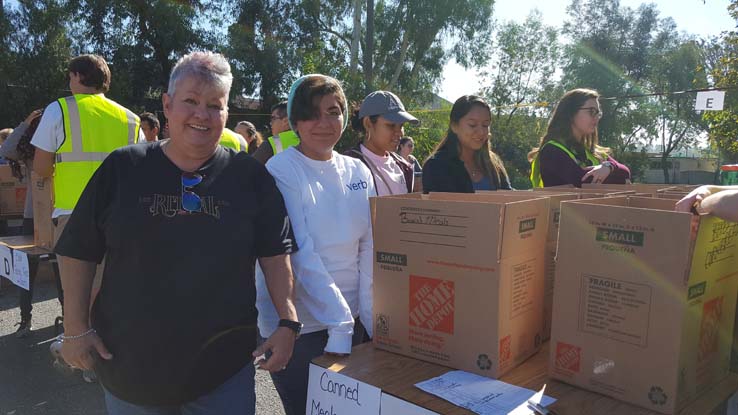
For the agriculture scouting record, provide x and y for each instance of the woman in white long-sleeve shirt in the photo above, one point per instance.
(327, 199)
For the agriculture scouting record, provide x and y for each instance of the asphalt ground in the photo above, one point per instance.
(30, 385)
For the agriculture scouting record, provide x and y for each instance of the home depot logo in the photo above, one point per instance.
(432, 304)
(568, 357)
(712, 312)
(505, 348)
(527, 225)
(619, 236)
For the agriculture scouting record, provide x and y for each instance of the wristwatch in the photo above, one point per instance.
(609, 165)
(295, 326)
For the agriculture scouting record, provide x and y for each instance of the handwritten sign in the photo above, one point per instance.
(392, 405)
(6, 262)
(709, 101)
(331, 393)
(20, 275)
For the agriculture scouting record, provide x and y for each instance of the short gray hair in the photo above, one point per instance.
(212, 68)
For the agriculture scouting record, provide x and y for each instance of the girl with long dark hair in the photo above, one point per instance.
(463, 162)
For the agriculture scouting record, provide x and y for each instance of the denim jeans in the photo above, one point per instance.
(292, 382)
(237, 396)
(26, 296)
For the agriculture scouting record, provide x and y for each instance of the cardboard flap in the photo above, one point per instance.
(489, 197)
(556, 188)
(637, 188)
(651, 239)
(525, 226)
(462, 229)
(672, 195)
(651, 203)
(633, 202)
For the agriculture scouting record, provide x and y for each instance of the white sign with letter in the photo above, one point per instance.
(6, 262)
(20, 275)
(709, 101)
(331, 393)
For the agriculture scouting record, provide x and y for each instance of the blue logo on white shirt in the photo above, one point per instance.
(358, 185)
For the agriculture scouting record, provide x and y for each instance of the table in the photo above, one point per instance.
(24, 243)
(35, 254)
(396, 374)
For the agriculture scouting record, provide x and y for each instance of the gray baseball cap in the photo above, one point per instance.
(388, 105)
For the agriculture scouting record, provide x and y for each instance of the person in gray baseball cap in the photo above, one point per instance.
(380, 119)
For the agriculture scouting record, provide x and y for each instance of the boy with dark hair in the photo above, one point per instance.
(149, 126)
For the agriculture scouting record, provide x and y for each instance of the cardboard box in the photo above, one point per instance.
(43, 205)
(588, 193)
(12, 192)
(676, 196)
(550, 255)
(644, 300)
(644, 188)
(458, 278)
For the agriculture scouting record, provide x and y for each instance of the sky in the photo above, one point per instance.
(704, 19)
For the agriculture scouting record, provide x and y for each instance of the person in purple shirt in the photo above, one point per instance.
(569, 152)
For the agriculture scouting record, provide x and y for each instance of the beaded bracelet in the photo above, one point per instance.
(79, 336)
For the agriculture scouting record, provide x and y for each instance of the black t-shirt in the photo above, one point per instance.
(177, 303)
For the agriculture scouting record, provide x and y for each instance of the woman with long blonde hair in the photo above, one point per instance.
(569, 152)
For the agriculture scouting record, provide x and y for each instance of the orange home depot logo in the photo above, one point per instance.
(432, 304)
(568, 357)
(712, 312)
(505, 348)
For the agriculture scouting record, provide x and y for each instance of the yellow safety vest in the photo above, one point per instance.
(94, 126)
(229, 139)
(283, 141)
(535, 167)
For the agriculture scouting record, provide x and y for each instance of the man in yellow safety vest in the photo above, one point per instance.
(282, 136)
(234, 140)
(76, 133)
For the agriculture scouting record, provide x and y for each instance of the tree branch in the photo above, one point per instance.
(325, 28)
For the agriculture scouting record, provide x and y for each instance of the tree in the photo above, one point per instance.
(525, 58)
(141, 40)
(723, 125)
(35, 56)
(611, 51)
(403, 44)
(678, 66)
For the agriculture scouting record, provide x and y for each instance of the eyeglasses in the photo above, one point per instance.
(593, 111)
(277, 118)
(191, 202)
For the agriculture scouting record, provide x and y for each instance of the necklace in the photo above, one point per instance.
(473, 171)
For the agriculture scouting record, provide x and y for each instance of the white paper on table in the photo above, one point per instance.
(482, 395)
(6, 262)
(20, 275)
(394, 406)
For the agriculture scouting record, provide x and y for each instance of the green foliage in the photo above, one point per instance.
(432, 129)
(524, 62)
(637, 161)
(617, 50)
(35, 54)
(724, 124)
